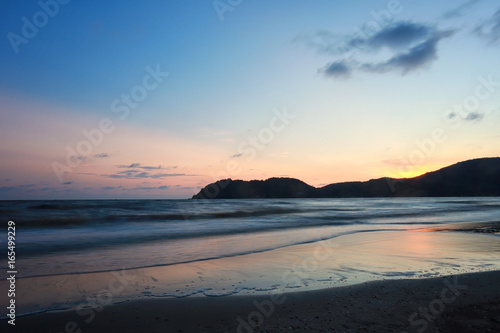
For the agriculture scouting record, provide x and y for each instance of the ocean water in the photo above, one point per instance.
(66, 251)
(61, 237)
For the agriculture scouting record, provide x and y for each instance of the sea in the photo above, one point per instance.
(210, 248)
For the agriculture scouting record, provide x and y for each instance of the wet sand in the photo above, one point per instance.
(458, 303)
(346, 260)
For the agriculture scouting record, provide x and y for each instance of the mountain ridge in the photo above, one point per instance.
(476, 177)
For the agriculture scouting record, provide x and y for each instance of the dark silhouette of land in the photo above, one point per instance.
(478, 177)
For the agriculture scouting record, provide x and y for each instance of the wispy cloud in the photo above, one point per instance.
(88, 159)
(460, 10)
(111, 187)
(490, 29)
(144, 167)
(139, 171)
(149, 188)
(16, 187)
(472, 116)
(137, 174)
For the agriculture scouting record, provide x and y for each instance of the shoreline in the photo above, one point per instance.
(468, 301)
(341, 261)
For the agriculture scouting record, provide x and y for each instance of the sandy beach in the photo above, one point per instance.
(458, 303)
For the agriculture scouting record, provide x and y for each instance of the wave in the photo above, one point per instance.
(111, 216)
(133, 238)
(207, 258)
(94, 218)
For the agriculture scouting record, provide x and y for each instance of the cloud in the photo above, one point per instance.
(129, 166)
(490, 29)
(148, 188)
(412, 59)
(111, 187)
(399, 36)
(235, 155)
(82, 159)
(411, 46)
(472, 116)
(102, 155)
(137, 174)
(138, 171)
(48, 189)
(460, 10)
(16, 187)
(143, 167)
(337, 69)
(67, 183)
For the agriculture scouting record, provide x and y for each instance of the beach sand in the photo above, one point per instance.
(458, 303)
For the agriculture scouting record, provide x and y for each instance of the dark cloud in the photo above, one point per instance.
(67, 183)
(102, 155)
(460, 10)
(414, 58)
(490, 29)
(413, 46)
(337, 69)
(399, 36)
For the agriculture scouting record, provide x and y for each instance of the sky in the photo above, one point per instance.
(156, 99)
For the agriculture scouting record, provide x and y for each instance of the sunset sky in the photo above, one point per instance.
(155, 99)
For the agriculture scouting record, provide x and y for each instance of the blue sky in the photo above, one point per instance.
(368, 83)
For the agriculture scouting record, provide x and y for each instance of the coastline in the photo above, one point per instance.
(470, 301)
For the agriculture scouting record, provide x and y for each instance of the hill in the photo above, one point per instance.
(478, 177)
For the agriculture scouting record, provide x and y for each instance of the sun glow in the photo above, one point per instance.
(407, 171)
